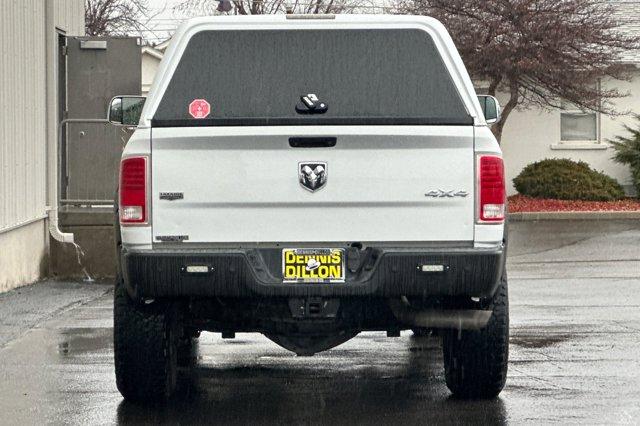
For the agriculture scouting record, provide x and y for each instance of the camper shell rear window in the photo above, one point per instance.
(257, 77)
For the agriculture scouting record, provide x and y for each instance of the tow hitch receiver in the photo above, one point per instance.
(314, 307)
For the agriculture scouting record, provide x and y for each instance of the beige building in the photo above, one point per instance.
(30, 31)
(535, 134)
(532, 135)
(151, 57)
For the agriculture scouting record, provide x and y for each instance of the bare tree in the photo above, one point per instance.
(539, 52)
(115, 17)
(266, 7)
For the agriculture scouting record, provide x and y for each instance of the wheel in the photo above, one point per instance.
(188, 348)
(475, 361)
(145, 343)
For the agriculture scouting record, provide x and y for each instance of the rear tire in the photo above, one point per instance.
(145, 347)
(475, 361)
(187, 349)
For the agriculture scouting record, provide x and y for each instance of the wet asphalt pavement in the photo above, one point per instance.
(575, 353)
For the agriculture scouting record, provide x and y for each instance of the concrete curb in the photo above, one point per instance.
(607, 215)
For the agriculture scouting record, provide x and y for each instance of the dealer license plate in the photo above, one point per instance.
(313, 265)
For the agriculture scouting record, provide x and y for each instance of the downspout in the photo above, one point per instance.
(54, 230)
(53, 136)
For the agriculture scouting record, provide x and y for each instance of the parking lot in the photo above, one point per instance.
(575, 353)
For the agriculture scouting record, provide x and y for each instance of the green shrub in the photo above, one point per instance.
(565, 179)
(628, 152)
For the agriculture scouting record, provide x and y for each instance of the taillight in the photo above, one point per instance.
(133, 190)
(491, 191)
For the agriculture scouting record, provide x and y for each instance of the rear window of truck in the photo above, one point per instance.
(257, 77)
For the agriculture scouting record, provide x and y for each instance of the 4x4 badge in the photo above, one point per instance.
(440, 193)
(312, 175)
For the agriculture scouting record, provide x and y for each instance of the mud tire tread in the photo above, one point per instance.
(145, 348)
(475, 362)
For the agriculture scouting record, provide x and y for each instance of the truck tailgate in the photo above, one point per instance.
(241, 184)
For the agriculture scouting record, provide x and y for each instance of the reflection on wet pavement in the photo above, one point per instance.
(575, 357)
(339, 388)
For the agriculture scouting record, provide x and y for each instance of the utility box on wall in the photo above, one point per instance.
(92, 71)
(97, 70)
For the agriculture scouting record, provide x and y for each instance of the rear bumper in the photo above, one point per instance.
(375, 272)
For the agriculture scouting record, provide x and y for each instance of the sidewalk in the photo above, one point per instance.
(26, 307)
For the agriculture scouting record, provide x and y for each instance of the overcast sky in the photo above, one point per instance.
(165, 20)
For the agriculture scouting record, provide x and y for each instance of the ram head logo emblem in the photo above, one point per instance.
(312, 175)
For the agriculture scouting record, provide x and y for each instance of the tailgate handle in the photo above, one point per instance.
(313, 142)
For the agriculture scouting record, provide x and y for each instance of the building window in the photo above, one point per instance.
(578, 125)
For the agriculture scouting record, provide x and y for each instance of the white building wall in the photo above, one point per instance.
(534, 134)
(149, 68)
(22, 111)
(26, 105)
(69, 16)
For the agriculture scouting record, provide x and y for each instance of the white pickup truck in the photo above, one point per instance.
(309, 178)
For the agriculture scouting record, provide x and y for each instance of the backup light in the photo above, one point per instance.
(132, 213)
(432, 268)
(197, 269)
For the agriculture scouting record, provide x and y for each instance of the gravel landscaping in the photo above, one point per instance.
(520, 204)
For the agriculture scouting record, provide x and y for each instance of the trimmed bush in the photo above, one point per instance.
(627, 151)
(565, 179)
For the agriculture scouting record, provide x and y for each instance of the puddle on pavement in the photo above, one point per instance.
(537, 341)
(544, 336)
(80, 341)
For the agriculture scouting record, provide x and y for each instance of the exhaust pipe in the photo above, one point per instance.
(459, 319)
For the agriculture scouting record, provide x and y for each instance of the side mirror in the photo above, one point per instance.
(125, 110)
(490, 108)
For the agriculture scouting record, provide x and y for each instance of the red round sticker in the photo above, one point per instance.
(199, 108)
